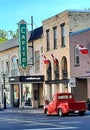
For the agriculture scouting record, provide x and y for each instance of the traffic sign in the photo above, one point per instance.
(72, 82)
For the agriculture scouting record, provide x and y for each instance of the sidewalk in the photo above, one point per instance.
(24, 110)
(31, 110)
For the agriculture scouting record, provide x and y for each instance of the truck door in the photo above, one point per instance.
(53, 105)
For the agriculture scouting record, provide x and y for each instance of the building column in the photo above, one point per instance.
(88, 88)
(11, 95)
(1, 95)
(20, 100)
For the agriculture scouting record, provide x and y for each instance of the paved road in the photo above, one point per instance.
(36, 120)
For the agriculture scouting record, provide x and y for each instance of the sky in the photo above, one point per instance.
(13, 11)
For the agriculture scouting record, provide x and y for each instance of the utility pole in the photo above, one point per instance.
(32, 23)
(32, 40)
(31, 46)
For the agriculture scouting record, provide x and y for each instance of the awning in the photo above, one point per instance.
(31, 79)
(57, 81)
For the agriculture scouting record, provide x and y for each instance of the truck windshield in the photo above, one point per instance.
(65, 97)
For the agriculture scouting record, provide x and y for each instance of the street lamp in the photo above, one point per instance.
(4, 95)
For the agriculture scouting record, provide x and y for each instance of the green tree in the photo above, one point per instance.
(3, 36)
(12, 34)
(6, 35)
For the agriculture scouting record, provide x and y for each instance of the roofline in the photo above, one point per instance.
(68, 11)
(9, 48)
(4, 47)
(80, 31)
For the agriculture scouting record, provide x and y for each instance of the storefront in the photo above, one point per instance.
(57, 85)
(26, 91)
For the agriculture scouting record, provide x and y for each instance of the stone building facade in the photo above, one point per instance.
(56, 42)
(22, 88)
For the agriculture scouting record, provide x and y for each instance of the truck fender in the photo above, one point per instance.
(64, 108)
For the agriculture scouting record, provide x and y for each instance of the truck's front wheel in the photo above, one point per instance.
(46, 111)
(60, 112)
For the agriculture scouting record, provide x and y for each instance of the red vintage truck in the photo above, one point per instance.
(64, 103)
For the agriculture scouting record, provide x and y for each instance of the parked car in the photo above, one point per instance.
(64, 103)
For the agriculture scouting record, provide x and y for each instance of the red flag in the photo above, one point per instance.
(46, 61)
(54, 59)
(82, 49)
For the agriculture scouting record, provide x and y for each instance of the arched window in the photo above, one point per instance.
(7, 67)
(56, 70)
(64, 67)
(49, 72)
(14, 66)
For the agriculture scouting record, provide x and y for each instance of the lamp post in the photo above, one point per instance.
(4, 94)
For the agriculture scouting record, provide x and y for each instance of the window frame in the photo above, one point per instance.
(37, 61)
(76, 56)
(55, 37)
(48, 39)
(63, 35)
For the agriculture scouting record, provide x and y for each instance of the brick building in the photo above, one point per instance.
(56, 42)
(80, 66)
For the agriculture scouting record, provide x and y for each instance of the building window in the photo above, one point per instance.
(14, 66)
(76, 56)
(49, 72)
(37, 61)
(7, 67)
(48, 39)
(56, 71)
(55, 37)
(2, 66)
(63, 42)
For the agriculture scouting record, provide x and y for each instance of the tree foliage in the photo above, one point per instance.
(6, 35)
(3, 36)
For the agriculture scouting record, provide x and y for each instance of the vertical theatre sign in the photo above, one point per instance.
(22, 25)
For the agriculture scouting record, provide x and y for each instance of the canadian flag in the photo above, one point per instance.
(46, 61)
(54, 59)
(82, 49)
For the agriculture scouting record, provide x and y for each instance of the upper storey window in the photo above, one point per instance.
(37, 61)
(14, 63)
(55, 37)
(7, 67)
(63, 42)
(48, 40)
(76, 56)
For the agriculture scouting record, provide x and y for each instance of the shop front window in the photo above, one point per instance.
(27, 95)
(16, 96)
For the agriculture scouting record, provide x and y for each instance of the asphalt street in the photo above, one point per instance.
(35, 119)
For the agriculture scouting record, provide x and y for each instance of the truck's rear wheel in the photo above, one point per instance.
(60, 112)
(81, 113)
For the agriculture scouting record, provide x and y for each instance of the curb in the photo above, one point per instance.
(24, 110)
